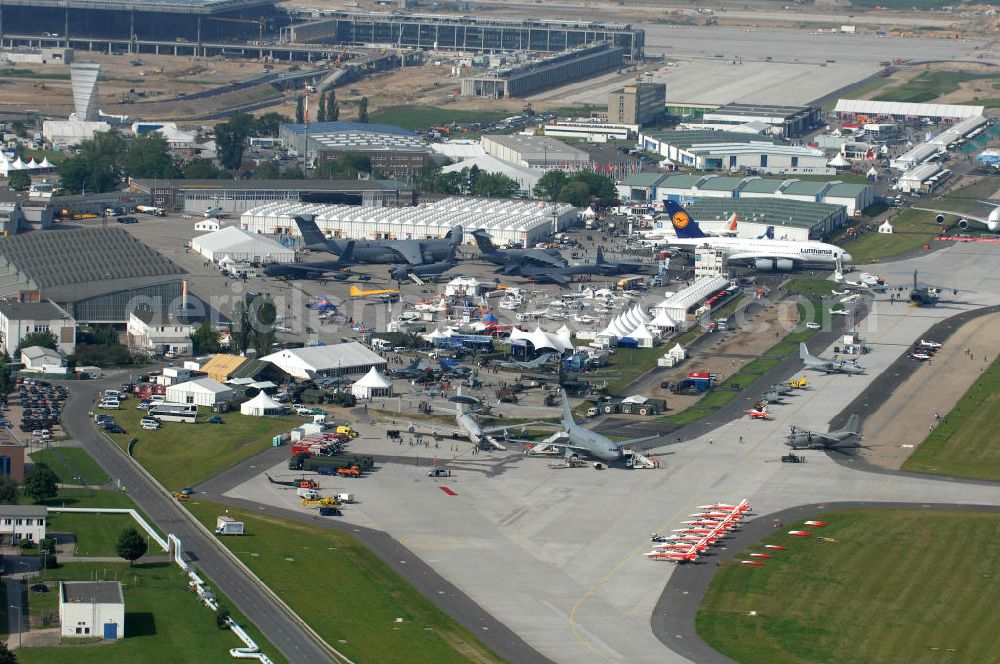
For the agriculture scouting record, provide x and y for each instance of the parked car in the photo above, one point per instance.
(215, 419)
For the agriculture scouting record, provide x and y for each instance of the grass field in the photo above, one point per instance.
(930, 85)
(914, 586)
(86, 497)
(72, 465)
(180, 455)
(628, 365)
(96, 534)
(164, 622)
(964, 443)
(913, 228)
(345, 593)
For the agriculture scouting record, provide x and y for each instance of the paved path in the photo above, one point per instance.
(15, 598)
(293, 641)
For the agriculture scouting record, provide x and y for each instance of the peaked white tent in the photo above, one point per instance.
(32, 164)
(46, 164)
(643, 336)
(260, 406)
(372, 384)
(839, 161)
(663, 321)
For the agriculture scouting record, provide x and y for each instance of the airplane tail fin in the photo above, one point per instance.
(312, 236)
(568, 420)
(803, 352)
(768, 234)
(853, 424)
(455, 235)
(600, 256)
(483, 241)
(347, 255)
(734, 220)
(684, 225)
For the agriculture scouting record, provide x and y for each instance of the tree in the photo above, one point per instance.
(300, 110)
(363, 110)
(40, 483)
(575, 193)
(267, 170)
(95, 166)
(131, 546)
(268, 124)
(241, 332)
(6, 656)
(549, 185)
(8, 490)
(495, 185)
(599, 186)
(471, 178)
(332, 108)
(148, 156)
(20, 128)
(345, 167)
(45, 339)
(293, 172)
(205, 338)
(230, 139)
(321, 109)
(200, 168)
(19, 181)
(264, 315)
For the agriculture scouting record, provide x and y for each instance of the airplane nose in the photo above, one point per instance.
(846, 258)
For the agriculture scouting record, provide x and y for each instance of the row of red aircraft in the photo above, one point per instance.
(684, 545)
(757, 559)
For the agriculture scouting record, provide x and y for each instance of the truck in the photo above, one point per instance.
(382, 345)
(347, 431)
(330, 465)
(149, 209)
(307, 493)
(346, 498)
(225, 525)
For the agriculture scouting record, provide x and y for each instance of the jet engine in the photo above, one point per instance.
(769, 265)
(963, 223)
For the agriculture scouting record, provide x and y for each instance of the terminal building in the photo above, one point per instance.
(784, 121)
(553, 71)
(474, 34)
(238, 196)
(656, 187)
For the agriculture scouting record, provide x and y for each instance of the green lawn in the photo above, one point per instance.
(180, 455)
(164, 622)
(913, 228)
(964, 443)
(86, 498)
(932, 84)
(421, 118)
(914, 586)
(628, 365)
(345, 593)
(96, 534)
(811, 288)
(72, 465)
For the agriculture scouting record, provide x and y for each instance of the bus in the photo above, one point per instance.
(174, 412)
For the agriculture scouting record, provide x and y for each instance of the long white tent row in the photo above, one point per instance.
(519, 221)
(675, 307)
(31, 166)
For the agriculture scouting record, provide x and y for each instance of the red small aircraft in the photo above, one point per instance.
(760, 555)
(799, 533)
(776, 547)
(758, 412)
(755, 563)
(818, 524)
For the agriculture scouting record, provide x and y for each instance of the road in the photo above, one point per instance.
(204, 553)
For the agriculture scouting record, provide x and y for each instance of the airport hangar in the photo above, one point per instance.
(644, 187)
(238, 196)
(724, 150)
(791, 219)
(98, 274)
(171, 21)
(523, 222)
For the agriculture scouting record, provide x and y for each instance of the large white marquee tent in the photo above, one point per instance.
(239, 245)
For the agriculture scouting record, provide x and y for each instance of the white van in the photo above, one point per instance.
(157, 398)
(149, 423)
(115, 394)
(382, 345)
(110, 404)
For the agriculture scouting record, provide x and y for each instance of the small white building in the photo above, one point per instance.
(261, 405)
(886, 227)
(372, 384)
(200, 391)
(91, 608)
(159, 334)
(172, 376)
(18, 319)
(320, 361)
(207, 225)
(42, 360)
(241, 246)
(22, 522)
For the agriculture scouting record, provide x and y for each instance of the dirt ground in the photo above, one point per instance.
(903, 422)
(727, 353)
(968, 90)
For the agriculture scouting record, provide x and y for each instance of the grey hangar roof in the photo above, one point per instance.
(73, 264)
(165, 6)
(771, 211)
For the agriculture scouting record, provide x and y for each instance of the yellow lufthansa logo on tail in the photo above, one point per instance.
(680, 219)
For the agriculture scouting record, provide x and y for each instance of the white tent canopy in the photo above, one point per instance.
(372, 384)
(260, 406)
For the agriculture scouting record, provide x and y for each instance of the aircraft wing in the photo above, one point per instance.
(556, 278)
(547, 260)
(961, 215)
(409, 250)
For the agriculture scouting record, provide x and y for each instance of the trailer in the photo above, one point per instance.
(225, 525)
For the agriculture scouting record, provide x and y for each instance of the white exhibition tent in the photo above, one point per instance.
(372, 384)
(260, 406)
(241, 246)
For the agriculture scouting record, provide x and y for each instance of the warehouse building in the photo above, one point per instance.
(523, 222)
(474, 34)
(637, 104)
(90, 609)
(924, 178)
(96, 275)
(657, 187)
(347, 359)
(237, 196)
(867, 110)
(202, 391)
(539, 74)
(540, 152)
(394, 151)
(525, 178)
(593, 131)
(242, 247)
(791, 219)
(784, 121)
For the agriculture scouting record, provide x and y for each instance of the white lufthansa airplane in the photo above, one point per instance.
(990, 221)
(765, 254)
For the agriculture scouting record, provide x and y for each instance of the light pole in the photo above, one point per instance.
(19, 624)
